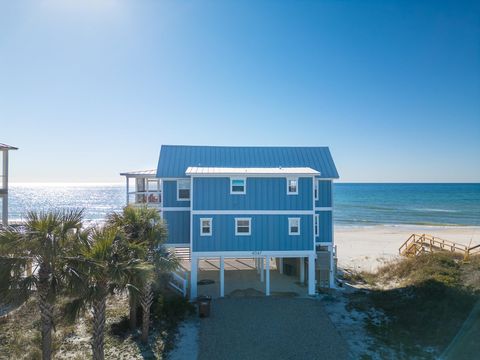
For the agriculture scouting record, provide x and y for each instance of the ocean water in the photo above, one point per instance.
(354, 204)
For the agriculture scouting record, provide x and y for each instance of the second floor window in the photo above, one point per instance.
(238, 186)
(183, 189)
(292, 186)
(317, 224)
(205, 226)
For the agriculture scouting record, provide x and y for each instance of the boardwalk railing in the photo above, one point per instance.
(417, 244)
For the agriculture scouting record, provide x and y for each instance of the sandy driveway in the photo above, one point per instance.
(269, 328)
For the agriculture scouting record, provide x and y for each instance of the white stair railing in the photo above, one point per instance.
(179, 283)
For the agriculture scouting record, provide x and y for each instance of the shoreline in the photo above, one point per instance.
(367, 248)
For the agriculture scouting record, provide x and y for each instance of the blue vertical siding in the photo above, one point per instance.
(262, 194)
(268, 233)
(324, 194)
(325, 226)
(170, 195)
(178, 224)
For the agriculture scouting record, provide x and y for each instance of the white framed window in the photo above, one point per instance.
(293, 226)
(238, 185)
(316, 189)
(317, 224)
(243, 226)
(205, 226)
(292, 186)
(183, 190)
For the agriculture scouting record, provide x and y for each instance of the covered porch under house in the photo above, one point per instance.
(246, 275)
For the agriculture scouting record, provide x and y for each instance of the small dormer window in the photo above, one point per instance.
(183, 189)
(316, 189)
(292, 186)
(238, 185)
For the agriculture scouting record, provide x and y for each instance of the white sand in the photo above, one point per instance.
(365, 248)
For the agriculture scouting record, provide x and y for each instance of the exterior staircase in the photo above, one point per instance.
(418, 244)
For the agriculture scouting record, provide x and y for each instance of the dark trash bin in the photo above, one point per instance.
(204, 306)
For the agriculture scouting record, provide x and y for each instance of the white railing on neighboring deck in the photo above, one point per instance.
(145, 198)
(179, 283)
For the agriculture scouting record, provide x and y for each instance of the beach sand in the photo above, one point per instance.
(365, 248)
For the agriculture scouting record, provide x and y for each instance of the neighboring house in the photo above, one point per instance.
(4, 149)
(245, 202)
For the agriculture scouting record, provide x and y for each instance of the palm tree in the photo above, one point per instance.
(99, 269)
(146, 233)
(42, 243)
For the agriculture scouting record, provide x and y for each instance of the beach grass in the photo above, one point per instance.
(422, 301)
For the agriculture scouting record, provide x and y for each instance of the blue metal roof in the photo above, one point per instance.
(175, 159)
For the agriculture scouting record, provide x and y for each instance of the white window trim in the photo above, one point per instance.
(189, 190)
(290, 226)
(317, 224)
(316, 189)
(244, 179)
(210, 226)
(288, 187)
(249, 226)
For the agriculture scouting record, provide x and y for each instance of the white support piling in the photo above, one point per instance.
(222, 276)
(262, 270)
(280, 265)
(302, 270)
(193, 278)
(267, 277)
(311, 274)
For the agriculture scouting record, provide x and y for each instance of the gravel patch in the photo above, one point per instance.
(269, 328)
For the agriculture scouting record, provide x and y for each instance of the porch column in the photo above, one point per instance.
(262, 272)
(5, 187)
(311, 274)
(302, 270)
(193, 277)
(267, 277)
(257, 265)
(332, 268)
(222, 276)
(128, 190)
(280, 265)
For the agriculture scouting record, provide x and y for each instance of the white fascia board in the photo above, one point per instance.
(249, 254)
(253, 212)
(180, 208)
(254, 175)
(323, 208)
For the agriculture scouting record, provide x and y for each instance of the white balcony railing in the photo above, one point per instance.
(152, 198)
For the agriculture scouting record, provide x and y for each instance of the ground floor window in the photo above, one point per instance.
(243, 226)
(205, 226)
(293, 226)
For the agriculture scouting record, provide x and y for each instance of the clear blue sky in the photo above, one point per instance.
(89, 88)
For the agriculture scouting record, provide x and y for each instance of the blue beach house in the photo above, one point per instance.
(272, 204)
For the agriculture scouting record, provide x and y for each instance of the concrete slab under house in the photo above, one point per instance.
(244, 218)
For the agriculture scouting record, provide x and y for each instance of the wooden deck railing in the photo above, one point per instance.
(417, 244)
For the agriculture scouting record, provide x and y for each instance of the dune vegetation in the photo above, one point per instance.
(70, 292)
(424, 303)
